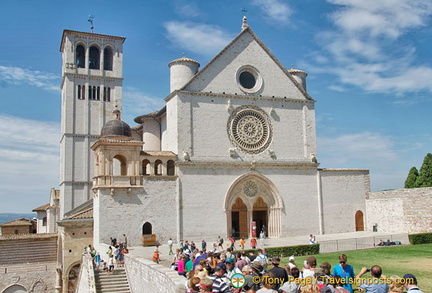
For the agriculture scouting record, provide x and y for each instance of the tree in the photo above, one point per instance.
(410, 182)
(424, 178)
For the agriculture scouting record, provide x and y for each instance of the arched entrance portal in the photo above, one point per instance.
(239, 219)
(253, 197)
(359, 223)
(259, 215)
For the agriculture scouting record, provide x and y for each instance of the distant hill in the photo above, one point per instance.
(7, 217)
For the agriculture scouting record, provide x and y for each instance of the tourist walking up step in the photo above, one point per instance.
(110, 264)
(97, 260)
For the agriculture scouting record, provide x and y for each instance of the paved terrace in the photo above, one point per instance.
(329, 243)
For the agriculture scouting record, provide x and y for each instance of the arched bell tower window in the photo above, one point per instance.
(80, 56)
(119, 166)
(146, 167)
(108, 58)
(94, 58)
(158, 167)
(170, 168)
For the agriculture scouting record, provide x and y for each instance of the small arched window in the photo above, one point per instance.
(44, 221)
(119, 166)
(146, 167)
(108, 58)
(94, 58)
(170, 168)
(158, 167)
(80, 56)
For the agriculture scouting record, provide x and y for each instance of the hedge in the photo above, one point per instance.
(290, 250)
(420, 238)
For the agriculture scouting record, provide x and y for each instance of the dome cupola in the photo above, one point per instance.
(116, 127)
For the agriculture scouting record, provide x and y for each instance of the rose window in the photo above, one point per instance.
(249, 129)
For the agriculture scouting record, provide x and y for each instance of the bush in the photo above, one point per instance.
(290, 250)
(420, 238)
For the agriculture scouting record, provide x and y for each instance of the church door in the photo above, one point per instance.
(359, 223)
(259, 215)
(239, 225)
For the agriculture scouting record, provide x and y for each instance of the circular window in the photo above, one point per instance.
(248, 79)
(249, 129)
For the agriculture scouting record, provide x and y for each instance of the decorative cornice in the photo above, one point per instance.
(248, 164)
(342, 169)
(240, 96)
(88, 35)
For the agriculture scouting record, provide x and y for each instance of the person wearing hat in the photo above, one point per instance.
(249, 275)
(291, 262)
(220, 283)
(231, 269)
(410, 283)
(309, 267)
(281, 275)
(206, 285)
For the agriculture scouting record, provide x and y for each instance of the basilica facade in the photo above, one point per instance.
(232, 152)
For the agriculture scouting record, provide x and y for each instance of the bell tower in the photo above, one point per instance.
(91, 90)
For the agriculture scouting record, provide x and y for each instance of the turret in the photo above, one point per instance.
(299, 76)
(181, 71)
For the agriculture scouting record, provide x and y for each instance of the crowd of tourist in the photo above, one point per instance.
(115, 253)
(224, 270)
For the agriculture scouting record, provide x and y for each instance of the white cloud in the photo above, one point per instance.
(388, 18)
(18, 76)
(188, 10)
(370, 148)
(372, 151)
(369, 47)
(203, 39)
(29, 160)
(136, 103)
(275, 11)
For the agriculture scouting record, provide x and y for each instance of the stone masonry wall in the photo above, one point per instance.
(153, 277)
(401, 210)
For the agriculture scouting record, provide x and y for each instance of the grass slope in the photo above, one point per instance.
(394, 260)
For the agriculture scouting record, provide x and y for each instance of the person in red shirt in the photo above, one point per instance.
(232, 240)
(253, 242)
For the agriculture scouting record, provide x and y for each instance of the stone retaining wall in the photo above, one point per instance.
(398, 210)
(155, 278)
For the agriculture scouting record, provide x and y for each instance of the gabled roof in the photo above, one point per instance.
(19, 222)
(81, 210)
(85, 214)
(150, 115)
(41, 208)
(247, 30)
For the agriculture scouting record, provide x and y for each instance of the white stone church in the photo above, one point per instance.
(234, 144)
(233, 149)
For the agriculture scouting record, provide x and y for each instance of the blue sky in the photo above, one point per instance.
(369, 64)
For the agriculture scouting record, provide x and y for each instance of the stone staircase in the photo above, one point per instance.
(116, 281)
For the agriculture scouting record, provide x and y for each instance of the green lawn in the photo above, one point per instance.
(394, 260)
